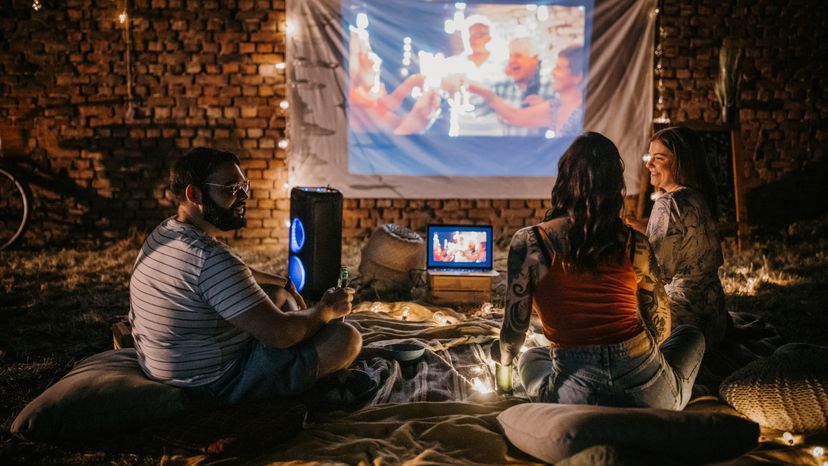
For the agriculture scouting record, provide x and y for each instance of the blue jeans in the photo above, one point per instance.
(633, 373)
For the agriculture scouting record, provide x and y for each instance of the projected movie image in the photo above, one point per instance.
(451, 246)
(464, 89)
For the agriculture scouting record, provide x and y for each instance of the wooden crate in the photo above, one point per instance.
(444, 289)
(122, 335)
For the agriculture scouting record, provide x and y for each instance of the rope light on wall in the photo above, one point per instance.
(663, 117)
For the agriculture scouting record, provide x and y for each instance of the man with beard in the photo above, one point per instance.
(204, 321)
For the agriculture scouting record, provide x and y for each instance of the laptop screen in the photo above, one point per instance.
(459, 246)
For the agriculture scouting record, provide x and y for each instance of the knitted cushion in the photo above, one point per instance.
(786, 391)
(389, 255)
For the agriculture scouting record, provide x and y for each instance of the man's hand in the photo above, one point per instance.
(336, 303)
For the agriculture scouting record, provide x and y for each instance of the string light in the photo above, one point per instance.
(788, 438)
(286, 186)
(122, 18)
(290, 28)
(36, 5)
(376, 307)
(283, 144)
(284, 105)
(405, 311)
(280, 66)
(486, 308)
(481, 386)
(818, 451)
(287, 223)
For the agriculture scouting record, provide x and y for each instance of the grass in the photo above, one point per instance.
(57, 305)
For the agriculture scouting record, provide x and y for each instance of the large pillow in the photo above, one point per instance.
(551, 431)
(786, 391)
(105, 392)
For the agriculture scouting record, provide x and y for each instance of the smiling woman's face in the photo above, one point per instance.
(662, 167)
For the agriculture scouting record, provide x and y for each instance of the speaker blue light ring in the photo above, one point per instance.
(296, 271)
(297, 235)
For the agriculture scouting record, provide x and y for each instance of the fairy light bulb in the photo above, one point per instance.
(283, 144)
(524, 349)
(287, 224)
(122, 18)
(788, 438)
(284, 105)
(36, 5)
(480, 386)
(646, 158)
(290, 28)
(376, 307)
(486, 308)
(280, 66)
(818, 451)
(405, 311)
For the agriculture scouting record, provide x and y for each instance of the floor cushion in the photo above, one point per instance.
(552, 432)
(786, 391)
(106, 392)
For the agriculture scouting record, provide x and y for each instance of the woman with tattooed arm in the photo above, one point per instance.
(592, 282)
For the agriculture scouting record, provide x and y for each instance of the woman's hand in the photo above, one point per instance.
(639, 225)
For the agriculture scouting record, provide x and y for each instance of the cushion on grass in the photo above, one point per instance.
(551, 431)
(786, 391)
(106, 392)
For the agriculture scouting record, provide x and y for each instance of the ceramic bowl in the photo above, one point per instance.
(405, 352)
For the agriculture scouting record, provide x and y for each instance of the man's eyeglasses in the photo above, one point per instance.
(233, 189)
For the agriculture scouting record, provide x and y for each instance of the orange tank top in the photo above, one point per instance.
(587, 308)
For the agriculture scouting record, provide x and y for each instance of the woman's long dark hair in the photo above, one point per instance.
(691, 168)
(590, 189)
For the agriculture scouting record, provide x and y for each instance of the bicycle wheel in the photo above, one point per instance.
(15, 208)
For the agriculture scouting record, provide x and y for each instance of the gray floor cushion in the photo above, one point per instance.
(106, 392)
(552, 432)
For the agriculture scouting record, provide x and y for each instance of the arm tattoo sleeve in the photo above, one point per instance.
(521, 280)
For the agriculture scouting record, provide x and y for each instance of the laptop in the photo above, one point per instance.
(460, 250)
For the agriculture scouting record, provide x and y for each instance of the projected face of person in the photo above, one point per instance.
(662, 167)
(522, 65)
(479, 37)
(563, 79)
(224, 199)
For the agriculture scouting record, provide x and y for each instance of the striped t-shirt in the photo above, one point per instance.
(185, 285)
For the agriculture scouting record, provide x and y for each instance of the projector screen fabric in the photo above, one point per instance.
(375, 114)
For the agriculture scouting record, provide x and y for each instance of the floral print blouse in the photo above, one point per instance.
(683, 235)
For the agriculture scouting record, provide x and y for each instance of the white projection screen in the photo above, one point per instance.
(435, 99)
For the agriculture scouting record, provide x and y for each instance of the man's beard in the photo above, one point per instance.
(221, 218)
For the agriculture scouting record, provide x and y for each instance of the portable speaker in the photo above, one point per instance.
(315, 240)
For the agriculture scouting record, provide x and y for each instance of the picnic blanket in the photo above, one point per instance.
(440, 409)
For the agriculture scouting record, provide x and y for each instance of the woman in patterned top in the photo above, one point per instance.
(592, 282)
(682, 231)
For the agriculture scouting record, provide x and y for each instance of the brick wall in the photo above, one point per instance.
(203, 74)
